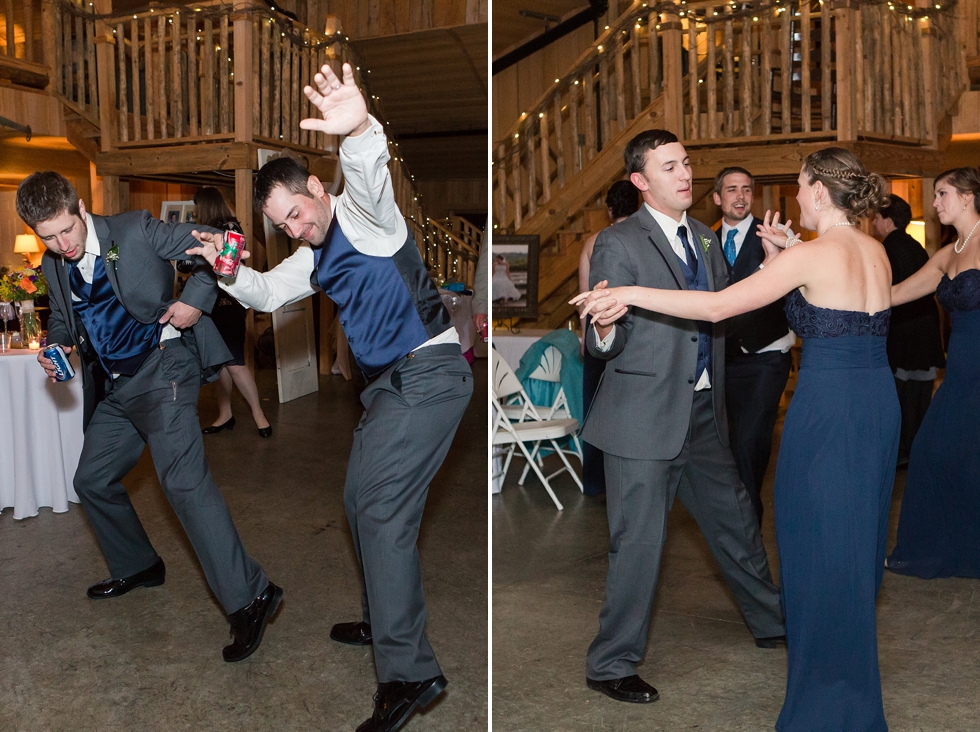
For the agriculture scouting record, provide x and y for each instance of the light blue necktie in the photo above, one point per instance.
(730, 246)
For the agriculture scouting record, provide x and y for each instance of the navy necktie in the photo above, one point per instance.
(78, 284)
(692, 260)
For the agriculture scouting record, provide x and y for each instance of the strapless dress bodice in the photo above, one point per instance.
(810, 321)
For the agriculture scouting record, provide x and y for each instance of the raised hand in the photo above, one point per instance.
(211, 246)
(341, 104)
(774, 237)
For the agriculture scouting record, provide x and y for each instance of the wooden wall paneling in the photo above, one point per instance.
(176, 90)
(805, 30)
(501, 193)
(877, 88)
(224, 77)
(518, 182)
(866, 58)
(532, 176)
(243, 99)
(577, 139)
(265, 72)
(52, 28)
(846, 88)
(90, 75)
(545, 140)
(402, 16)
(692, 78)
(605, 108)
(826, 99)
(859, 73)
(907, 82)
(766, 87)
(11, 49)
(275, 129)
(256, 85)
(673, 73)
(70, 59)
(29, 31)
(589, 107)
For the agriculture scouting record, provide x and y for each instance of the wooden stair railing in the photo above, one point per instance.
(766, 72)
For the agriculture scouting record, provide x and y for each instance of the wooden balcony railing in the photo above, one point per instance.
(761, 71)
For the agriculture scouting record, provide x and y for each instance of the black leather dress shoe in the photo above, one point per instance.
(395, 701)
(265, 431)
(215, 428)
(150, 577)
(353, 634)
(771, 642)
(248, 624)
(626, 689)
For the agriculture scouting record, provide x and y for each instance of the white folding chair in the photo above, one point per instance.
(549, 369)
(509, 434)
(509, 396)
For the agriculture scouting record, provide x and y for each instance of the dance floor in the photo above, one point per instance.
(152, 660)
(549, 571)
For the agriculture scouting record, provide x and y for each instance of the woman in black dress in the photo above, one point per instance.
(229, 317)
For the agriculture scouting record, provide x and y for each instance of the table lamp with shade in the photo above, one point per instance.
(27, 245)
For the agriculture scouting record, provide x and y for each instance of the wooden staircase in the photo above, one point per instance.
(760, 86)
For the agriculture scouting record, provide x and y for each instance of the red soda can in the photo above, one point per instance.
(230, 258)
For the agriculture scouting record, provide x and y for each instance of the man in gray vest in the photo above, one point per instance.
(363, 257)
(659, 416)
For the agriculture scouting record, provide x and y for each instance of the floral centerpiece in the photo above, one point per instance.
(22, 283)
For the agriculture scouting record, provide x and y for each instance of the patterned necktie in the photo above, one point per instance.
(692, 260)
(730, 246)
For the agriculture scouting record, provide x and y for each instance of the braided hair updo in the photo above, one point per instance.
(852, 188)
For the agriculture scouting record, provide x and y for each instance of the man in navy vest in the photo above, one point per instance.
(142, 354)
(757, 344)
(364, 258)
(659, 417)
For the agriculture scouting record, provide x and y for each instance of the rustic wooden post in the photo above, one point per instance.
(927, 66)
(671, 29)
(106, 75)
(244, 100)
(49, 47)
(845, 12)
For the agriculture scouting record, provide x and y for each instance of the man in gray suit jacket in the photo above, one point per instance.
(659, 417)
(142, 354)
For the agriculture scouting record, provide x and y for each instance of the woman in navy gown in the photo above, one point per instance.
(939, 527)
(837, 458)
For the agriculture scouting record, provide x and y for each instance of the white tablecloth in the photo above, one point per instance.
(40, 435)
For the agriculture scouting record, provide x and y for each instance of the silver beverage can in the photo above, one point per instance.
(63, 369)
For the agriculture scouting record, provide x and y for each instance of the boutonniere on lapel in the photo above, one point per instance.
(705, 243)
(113, 254)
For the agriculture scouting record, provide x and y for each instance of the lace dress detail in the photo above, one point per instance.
(960, 293)
(810, 321)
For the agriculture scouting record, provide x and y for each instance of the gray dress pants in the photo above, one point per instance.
(639, 495)
(157, 406)
(411, 414)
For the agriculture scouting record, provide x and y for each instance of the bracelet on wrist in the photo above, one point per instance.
(792, 241)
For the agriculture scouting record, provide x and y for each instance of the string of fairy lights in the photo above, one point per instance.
(431, 237)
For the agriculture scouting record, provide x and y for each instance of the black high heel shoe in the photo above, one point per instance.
(265, 431)
(215, 428)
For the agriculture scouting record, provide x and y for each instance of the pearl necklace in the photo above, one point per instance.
(839, 223)
(956, 246)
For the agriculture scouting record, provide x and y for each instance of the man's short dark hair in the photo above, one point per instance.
(898, 210)
(636, 149)
(622, 199)
(44, 196)
(285, 172)
(720, 178)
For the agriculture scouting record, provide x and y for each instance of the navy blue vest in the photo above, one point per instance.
(389, 306)
(120, 340)
(704, 328)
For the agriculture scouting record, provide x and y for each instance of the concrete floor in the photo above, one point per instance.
(549, 570)
(152, 660)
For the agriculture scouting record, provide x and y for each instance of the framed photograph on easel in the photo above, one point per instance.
(514, 278)
(178, 212)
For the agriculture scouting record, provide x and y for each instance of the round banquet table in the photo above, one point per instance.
(40, 435)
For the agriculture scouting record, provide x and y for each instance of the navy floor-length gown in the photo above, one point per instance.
(939, 527)
(834, 481)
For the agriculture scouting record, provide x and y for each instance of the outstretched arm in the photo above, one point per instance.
(783, 274)
(925, 281)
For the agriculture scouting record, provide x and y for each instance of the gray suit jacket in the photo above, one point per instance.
(143, 280)
(642, 407)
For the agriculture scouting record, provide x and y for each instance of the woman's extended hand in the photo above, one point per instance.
(607, 304)
(773, 235)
